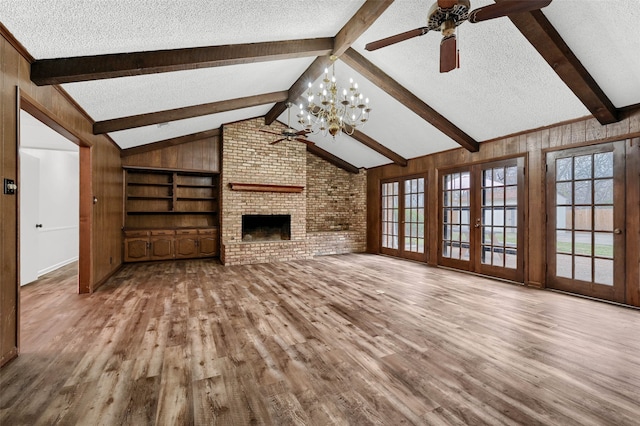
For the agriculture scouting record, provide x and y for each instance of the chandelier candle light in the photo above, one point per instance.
(337, 110)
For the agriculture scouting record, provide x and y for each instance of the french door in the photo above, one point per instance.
(481, 216)
(403, 218)
(585, 221)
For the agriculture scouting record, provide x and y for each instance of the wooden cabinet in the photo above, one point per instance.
(136, 246)
(166, 198)
(186, 243)
(161, 244)
(170, 213)
(207, 242)
(165, 244)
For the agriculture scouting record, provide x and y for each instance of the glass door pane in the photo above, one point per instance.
(414, 215)
(403, 218)
(583, 232)
(456, 218)
(481, 219)
(390, 215)
(499, 217)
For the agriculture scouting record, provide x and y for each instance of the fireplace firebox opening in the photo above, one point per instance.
(258, 227)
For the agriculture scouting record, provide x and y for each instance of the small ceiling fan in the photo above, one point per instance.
(290, 134)
(446, 15)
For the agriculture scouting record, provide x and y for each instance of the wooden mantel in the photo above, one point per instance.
(259, 187)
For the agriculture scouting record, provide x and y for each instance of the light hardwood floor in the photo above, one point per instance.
(353, 339)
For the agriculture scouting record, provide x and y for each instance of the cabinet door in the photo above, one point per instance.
(208, 245)
(186, 246)
(161, 248)
(136, 249)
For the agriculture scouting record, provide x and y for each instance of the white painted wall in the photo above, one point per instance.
(58, 187)
(59, 208)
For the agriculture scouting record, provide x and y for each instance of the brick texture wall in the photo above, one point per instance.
(328, 217)
(336, 208)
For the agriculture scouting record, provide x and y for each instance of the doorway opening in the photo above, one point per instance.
(45, 140)
(49, 195)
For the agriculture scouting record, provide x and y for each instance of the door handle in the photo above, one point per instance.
(38, 225)
(617, 231)
(477, 225)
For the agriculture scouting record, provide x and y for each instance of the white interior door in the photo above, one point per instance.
(28, 190)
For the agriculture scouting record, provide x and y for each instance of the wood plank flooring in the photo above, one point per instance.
(352, 339)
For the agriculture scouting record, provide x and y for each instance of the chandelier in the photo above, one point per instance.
(331, 110)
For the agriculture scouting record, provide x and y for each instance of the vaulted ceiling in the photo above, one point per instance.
(149, 71)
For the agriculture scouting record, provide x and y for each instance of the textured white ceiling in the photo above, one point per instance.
(61, 28)
(605, 36)
(118, 97)
(502, 87)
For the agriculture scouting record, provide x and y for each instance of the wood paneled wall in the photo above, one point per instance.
(105, 176)
(533, 146)
(202, 155)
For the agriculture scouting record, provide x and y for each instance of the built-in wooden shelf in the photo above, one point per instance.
(259, 187)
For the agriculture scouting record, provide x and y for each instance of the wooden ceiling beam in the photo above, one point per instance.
(336, 161)
(545, 39)
(169, 115)
(170, 142)
(358, 24)
(354, 28)
(371, 143)
(83, 68)
(314, 71)
(376, 76)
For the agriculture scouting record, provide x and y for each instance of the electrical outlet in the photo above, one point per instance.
(10, 186)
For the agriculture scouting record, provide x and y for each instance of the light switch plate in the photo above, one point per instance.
(9, 186)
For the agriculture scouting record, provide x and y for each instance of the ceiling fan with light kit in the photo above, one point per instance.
(290, 134)
(446, 15)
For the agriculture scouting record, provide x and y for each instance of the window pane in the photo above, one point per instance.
(603, 217)
(563, 265)
(603, 191)
(603, 273)
(603, 244)
(511, 237)
(582, 167)
(486, 255)
(487, 232)
(498, 176)
(563, 242)
(487, 199)
(582, 268)
(582, 243)
(511, 216)
(564, 193)
(487, 178)
(582, 192)
(564, 169)
(498, 196)
(564, 217)
(582, 218)
(487, 216)
(512, 175)
(603, 165)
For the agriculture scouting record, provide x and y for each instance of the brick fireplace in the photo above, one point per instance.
(260, 179)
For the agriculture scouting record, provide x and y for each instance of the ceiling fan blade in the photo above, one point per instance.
(303, 132)
(305, 141)
(506, 8)
(447, 4)
(448, 54)
(375, 45)
(271, 133)
(275, 142)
